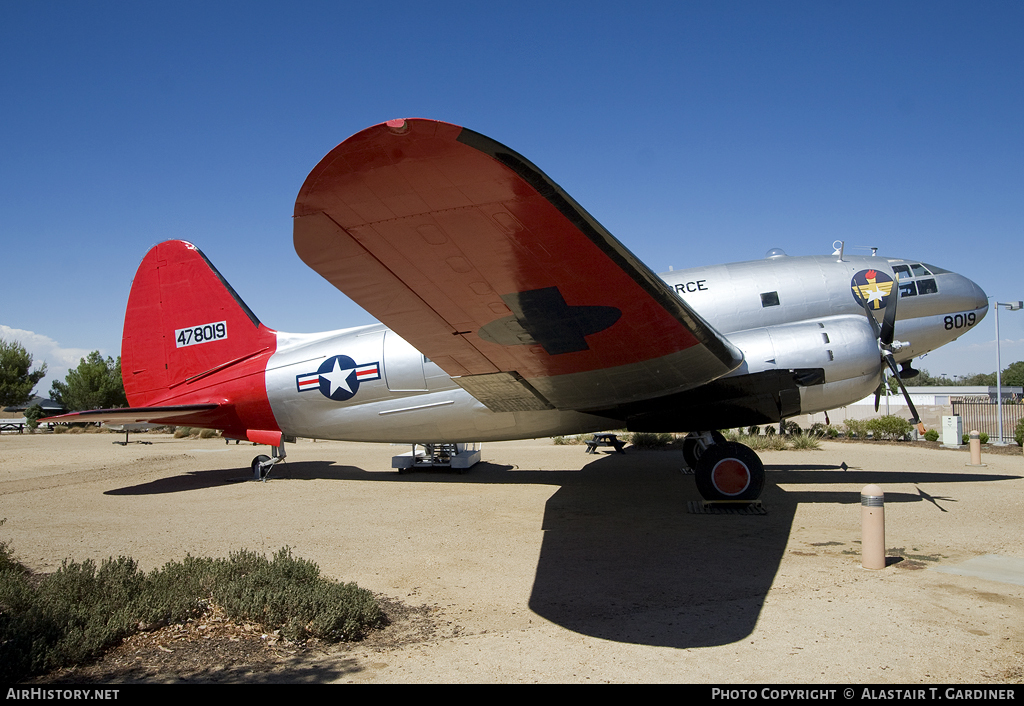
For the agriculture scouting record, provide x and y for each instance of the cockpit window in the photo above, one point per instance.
(911, 279)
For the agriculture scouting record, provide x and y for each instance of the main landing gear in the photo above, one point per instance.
(724, 470)
(262, 464)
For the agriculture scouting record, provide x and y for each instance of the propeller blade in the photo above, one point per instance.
(871, 316)
(878, 393)
(889, 320)
(903, 388)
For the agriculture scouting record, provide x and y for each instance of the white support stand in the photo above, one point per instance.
(456, 456)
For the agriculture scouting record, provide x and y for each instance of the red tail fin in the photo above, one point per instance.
(188, 336)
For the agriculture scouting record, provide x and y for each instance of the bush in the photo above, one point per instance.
(889, 427)
(649, 440)
(1018, 434)
(856, 428)
(74, 615)
(931, 435)
(805, 441)
(765, 442)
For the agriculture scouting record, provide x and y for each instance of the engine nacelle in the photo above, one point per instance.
(843, 347)
(787, 370)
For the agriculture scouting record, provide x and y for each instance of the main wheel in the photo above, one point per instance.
(693, 447)
(729, 471)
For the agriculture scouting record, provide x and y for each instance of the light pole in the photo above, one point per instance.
(1010, 306)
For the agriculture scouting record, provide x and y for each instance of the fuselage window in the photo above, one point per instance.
(769, 299)
(926, 286)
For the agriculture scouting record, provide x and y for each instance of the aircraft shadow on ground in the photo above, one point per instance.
(621, 558)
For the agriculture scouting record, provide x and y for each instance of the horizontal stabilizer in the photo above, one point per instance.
(174, 414)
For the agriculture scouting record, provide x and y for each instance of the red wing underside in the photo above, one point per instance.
(485, 265)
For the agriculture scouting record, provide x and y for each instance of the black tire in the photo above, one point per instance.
(257, 472)
(729, 471)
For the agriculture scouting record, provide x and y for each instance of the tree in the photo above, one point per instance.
(16, 382)
(33, 414)
(94, 384)
(1013, 375)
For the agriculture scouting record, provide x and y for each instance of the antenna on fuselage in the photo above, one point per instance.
(838, 245)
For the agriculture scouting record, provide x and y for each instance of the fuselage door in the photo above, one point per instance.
(403, 365)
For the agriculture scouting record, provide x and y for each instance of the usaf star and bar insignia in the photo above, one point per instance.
(338, 378)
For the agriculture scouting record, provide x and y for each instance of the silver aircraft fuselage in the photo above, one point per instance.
(799, 321)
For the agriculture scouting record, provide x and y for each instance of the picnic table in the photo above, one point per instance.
(600, 440)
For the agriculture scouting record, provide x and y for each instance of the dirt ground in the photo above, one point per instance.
(545, 564)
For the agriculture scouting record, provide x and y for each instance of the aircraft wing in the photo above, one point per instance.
(479, 260)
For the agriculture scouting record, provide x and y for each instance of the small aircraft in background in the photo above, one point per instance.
(509, 312)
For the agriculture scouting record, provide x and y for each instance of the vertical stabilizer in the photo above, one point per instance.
(187, 335)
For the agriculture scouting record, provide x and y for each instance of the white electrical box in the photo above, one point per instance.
(952, 431)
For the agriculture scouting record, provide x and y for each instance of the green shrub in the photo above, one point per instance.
(649, 440)
(856, 428)
(73, 615)
(1018, 434)
(889, 427)
(805, 441)
(931, 435)
(765, 442)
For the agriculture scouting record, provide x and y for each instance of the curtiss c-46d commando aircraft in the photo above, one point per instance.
(509, 312)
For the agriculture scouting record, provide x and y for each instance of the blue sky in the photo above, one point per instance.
(696, 132)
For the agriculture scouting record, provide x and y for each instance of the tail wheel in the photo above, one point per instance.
(729, 471)
(258, 472)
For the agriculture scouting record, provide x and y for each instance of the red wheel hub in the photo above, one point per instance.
(730, 476)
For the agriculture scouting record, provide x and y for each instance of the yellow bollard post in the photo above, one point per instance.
(872, 523)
